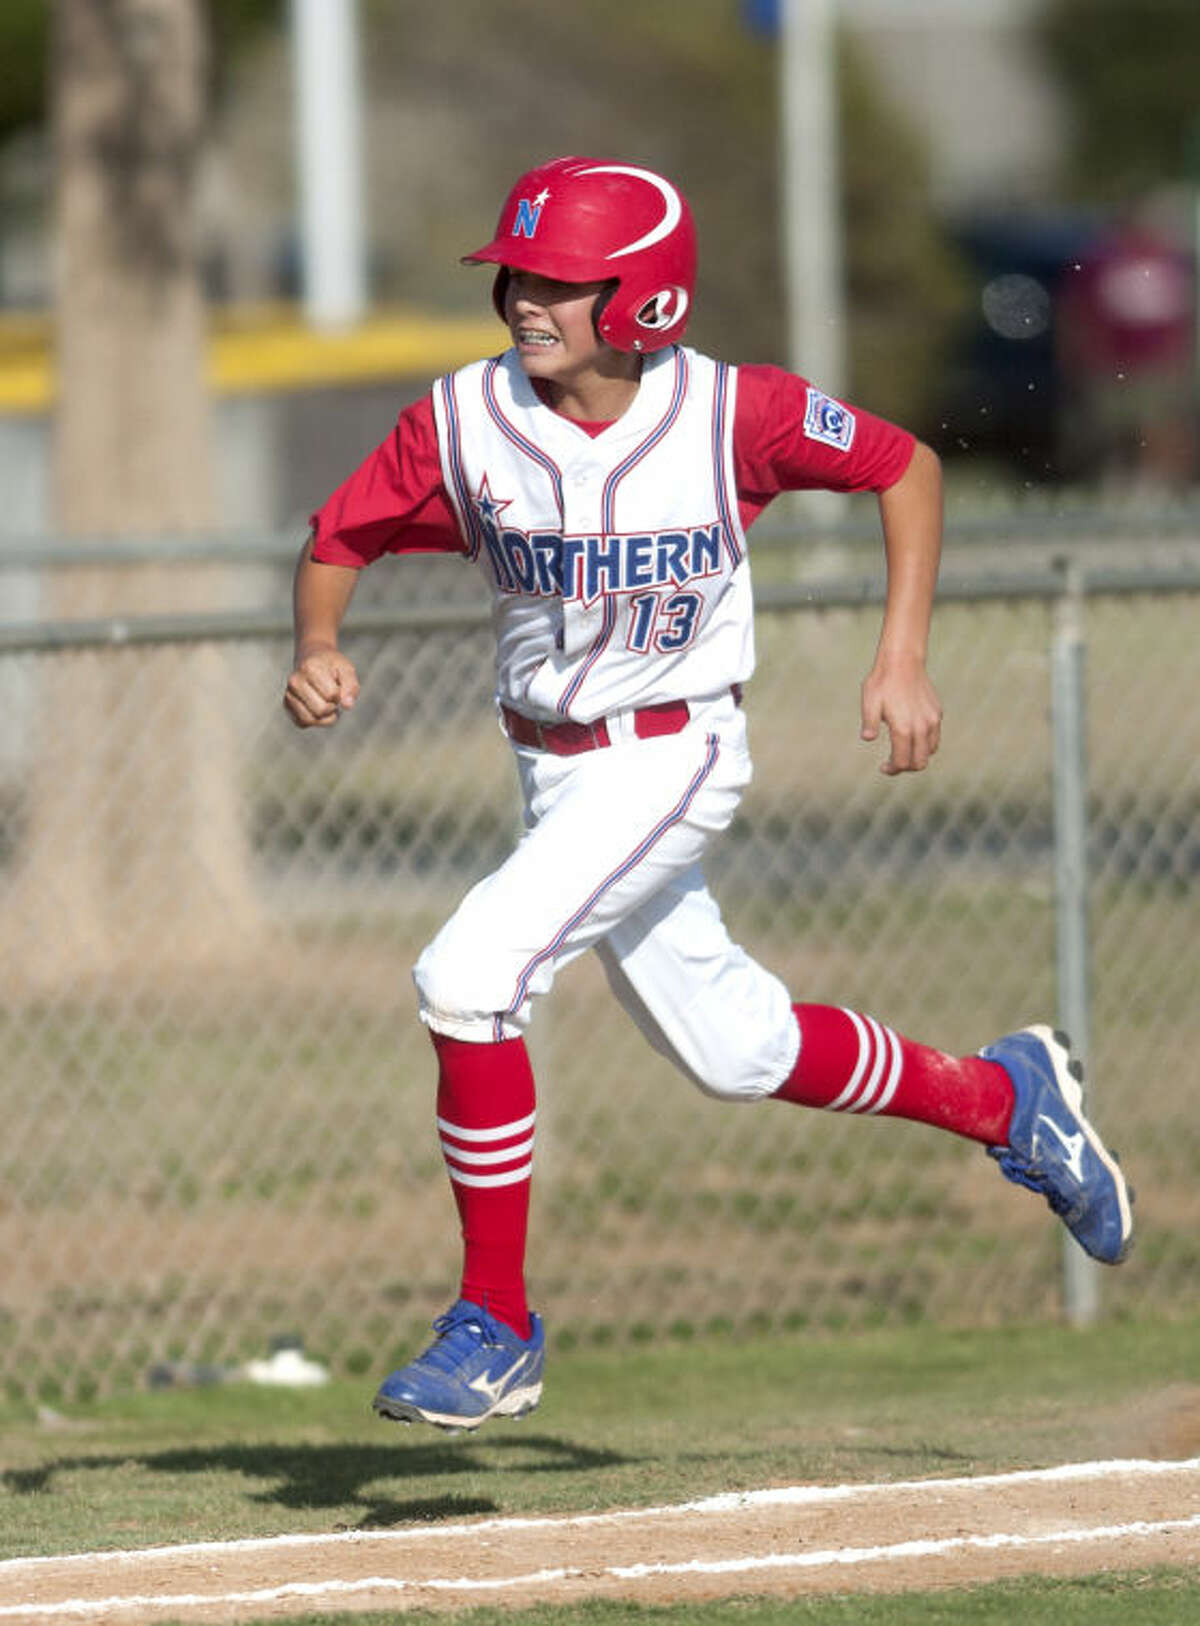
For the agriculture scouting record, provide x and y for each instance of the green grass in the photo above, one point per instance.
(1137, 1598)
(636, 1427)
(617, 1428)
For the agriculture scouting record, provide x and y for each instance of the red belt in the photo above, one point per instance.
(569, 739)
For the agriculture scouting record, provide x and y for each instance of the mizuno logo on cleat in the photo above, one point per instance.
(492, 1388)
(1072, 1145)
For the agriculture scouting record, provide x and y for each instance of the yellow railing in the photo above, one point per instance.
(268, 349)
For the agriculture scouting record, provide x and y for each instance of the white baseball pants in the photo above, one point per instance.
(610, 860)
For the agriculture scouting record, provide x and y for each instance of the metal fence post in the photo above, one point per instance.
(1081, 1294)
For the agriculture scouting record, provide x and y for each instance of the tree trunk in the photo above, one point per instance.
(135, 844)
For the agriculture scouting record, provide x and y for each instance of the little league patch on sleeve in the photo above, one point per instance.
(828, 421)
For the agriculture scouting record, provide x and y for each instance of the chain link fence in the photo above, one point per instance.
(218, 1102)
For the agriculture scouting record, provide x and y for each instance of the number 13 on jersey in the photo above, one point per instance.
(662, 621)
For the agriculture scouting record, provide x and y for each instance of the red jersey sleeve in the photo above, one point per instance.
(790, 436)
(394, 502)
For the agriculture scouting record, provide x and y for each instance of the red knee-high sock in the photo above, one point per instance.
(853, 1063)
(485, 1114)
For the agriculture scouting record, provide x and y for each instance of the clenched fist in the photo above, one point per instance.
(323, 685)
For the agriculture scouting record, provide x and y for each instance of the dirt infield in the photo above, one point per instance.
(786, 1541)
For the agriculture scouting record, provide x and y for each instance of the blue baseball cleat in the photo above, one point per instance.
(1053, 1149)
(475, 1368)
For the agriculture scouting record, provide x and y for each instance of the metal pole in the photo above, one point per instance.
(1081, 1294)
(812, 235)
(329, 158)
(811, 192)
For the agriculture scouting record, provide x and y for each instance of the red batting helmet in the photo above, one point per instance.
(589, 220)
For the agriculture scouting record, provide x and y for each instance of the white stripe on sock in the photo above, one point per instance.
(867, 1094)
(893, 1080)
(843, 1101)
(501, 1131)
(512, 1177)
(880, 1059)
(453, 1154)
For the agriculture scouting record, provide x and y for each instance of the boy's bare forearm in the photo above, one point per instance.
(911, 512)
(897, 693)
(321, 595)
(323, 682)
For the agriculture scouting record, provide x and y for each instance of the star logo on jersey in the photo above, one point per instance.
(488, 507)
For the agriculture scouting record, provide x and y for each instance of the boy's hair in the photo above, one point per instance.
(592, 220)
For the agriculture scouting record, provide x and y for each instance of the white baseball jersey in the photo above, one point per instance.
(617, 563)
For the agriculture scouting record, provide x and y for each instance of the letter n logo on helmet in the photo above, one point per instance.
(525, 224)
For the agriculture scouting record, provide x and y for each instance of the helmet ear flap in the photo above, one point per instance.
(603, 300)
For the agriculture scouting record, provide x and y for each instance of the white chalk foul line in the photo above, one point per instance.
(726, 1502)
(834, 1556)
